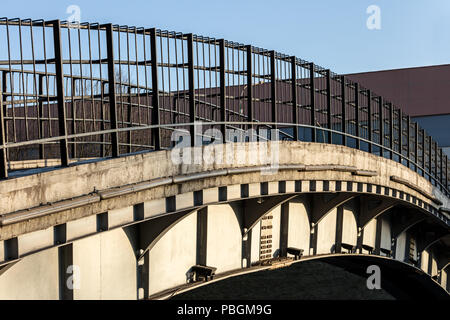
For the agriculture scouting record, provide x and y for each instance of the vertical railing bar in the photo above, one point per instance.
(156, 132)
(381, 124)
(416, 146)
(391, 129)
(312, 101)
(400, 135)
(4, 88)
(72, 93)
(408, 147)
(294, 96)
(112, 91)
(273, 90)
(430, 158)
(370, 120)
(41, 113)
(344, 111)
(435, 174)
(441, 180)
(328, 80)
(223, 107)
(192, 111)
(423, 153)
(250, 111)
(3, 159)
(62, 123)
(358, 135)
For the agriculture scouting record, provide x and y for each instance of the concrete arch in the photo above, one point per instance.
(428, 243)
(151, 231)
(256, 209)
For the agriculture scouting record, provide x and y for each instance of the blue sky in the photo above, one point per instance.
(331, 33)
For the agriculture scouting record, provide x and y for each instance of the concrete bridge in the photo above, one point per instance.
(126, 221)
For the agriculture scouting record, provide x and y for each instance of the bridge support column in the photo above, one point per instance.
(202, 236)
(66, 270)
(284, 229)
(339, 227)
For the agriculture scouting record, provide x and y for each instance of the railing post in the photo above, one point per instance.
(400, 135)
(436, 178)
(423, 153)
(192, 111)
(408, 139)
(358, 142)
(273, 89)
(4, 88)
(344, 111)
(369, 119)
(446, 174)
(294, 96)
(430, 158)
(330, 126)
(74, 114)
(223, 100)
(441, 164)
(62, 123)
(416, 145)
(3, 160)
(381, 124)
(391, 129)
(112, 91)
(250, 114)
(156, 132)
(41, 113)
(313, 103)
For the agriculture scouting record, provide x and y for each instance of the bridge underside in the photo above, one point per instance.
(144, 240)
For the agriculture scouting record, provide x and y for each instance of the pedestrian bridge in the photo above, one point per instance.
(105, 195)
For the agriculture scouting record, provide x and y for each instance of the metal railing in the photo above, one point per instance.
(95, 91)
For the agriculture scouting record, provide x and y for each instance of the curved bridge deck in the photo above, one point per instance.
(138, 154)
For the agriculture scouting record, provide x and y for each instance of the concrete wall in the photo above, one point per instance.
(256, 242)
(326, 233)
(107, 266)
(224, 246)
(386, 237)
(299, 226)
(349, 227)
(424, 260)
(173, 255)
(444, 278)
(401, 247)
(370, 233)
(276, 224)
(433, 266)
(34, 277)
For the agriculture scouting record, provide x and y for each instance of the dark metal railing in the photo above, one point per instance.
(99, 91)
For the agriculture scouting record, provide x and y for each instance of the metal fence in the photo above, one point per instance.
(72, 92)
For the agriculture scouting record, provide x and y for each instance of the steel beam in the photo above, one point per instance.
(62, 121)
(3, 160)
(312, 102)
(156, 117)
(112, 91)
(294, 96)
(223, 100)
(192, 108)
